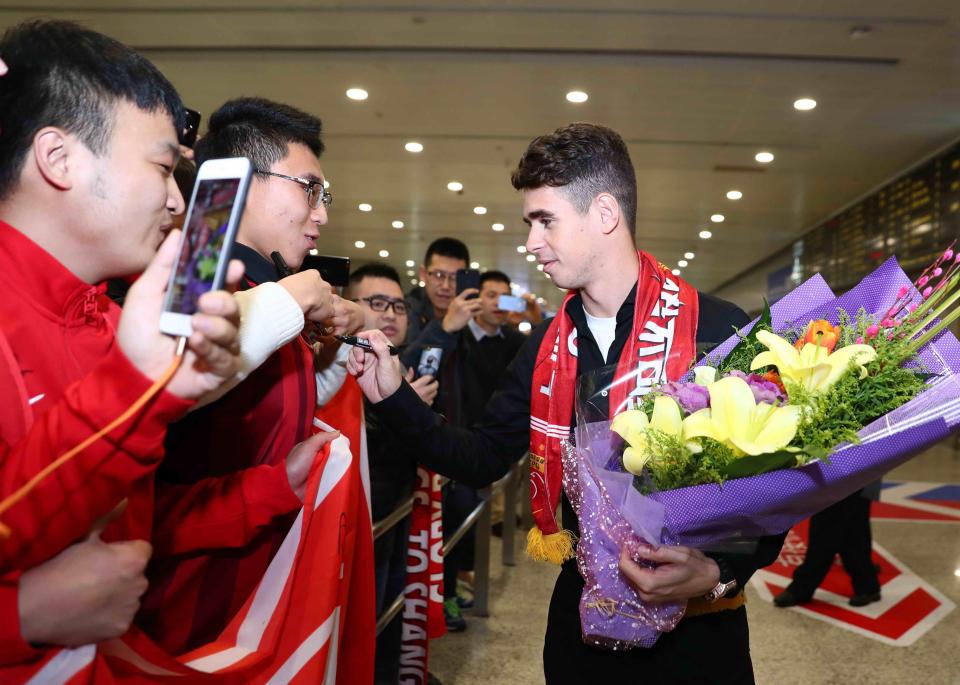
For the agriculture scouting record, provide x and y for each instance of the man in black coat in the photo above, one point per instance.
(579, 199)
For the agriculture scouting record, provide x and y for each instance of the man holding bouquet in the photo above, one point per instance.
(624, 310)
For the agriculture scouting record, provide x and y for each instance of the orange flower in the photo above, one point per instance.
(773, 377)
(821, 333)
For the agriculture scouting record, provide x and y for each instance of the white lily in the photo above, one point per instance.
(813, 367)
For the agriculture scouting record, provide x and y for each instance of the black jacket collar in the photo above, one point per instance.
(256, 267)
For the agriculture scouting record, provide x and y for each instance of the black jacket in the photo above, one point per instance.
(484, 454)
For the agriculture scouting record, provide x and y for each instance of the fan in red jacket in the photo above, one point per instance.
(87, 144)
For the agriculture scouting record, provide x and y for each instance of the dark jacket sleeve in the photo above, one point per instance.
(479, 456)
(432, 335)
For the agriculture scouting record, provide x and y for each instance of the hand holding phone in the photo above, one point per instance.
(210, 228)
(467, 279)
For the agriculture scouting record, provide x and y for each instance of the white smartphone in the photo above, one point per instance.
(209, 231)
(509, 303)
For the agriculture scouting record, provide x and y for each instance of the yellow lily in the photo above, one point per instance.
(814, 367)
(632, 425)
(736, 419)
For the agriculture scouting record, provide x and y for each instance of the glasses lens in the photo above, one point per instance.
(378, 304)
(400, 308)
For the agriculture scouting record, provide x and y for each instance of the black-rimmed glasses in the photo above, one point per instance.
(382, 304)
(316, 194)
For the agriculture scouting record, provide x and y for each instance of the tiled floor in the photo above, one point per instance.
(787, 647)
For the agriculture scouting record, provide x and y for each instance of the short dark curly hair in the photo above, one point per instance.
(584, 160)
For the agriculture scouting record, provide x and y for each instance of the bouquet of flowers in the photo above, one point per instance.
(815, 399)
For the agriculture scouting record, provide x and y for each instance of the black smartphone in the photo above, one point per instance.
(468, 278)
(334, 270)
(188, 136)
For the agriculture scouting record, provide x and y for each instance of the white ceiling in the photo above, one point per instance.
(692, 86)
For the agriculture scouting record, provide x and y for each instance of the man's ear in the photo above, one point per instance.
(51, 154)
(609, 210)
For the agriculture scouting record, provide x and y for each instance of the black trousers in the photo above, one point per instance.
(458, 501)
(842, 528)
(711, 649)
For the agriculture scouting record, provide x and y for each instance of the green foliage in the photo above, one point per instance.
(741, 356)
(836, 415)
(675, 466)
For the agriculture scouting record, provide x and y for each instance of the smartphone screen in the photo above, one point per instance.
(468, 278)
(205, 234)
(509, 303)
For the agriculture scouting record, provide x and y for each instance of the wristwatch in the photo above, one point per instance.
(727, 584)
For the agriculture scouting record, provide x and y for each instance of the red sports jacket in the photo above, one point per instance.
(62, 378)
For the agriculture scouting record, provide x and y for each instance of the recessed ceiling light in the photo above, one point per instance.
(397, 224)
(804, 104)
(360, 244)
(676, 272)
(410, 262)
(531, 258)
(734, 194)
(539, 267)
(474, 265)
(413, 146)
(764, 157)
(414, 281)
(706, 235)
(357, 94)
(384, 253)
(524, 326)
(479, 210)
(717, 218)
(577, 96)
(326, 183)
(521, 248)
(688, 255)
(411, 272)
(956, 572)
(455, 186)
(859, 32)
(364, 207)
(498, 227)
(683, 263)
(314, 251)
(421, 283)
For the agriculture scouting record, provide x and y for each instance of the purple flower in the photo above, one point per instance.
(763, 390)
(690, 396)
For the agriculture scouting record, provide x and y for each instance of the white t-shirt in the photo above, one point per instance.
(604, 330)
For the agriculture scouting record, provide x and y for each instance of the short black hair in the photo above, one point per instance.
(447, 247)
(374, 270)
(494, 275)
(584, 160)
(61, 74)
(260, 130)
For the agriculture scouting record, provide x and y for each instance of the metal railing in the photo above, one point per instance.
(480, 518)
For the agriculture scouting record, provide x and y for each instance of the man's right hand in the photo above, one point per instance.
(425, 386)
(461, 310)
(312, 293)
(378, 373)
(213, 351)
(88, 593)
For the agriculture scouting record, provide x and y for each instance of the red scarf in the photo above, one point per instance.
(423, 596)
(661, 348)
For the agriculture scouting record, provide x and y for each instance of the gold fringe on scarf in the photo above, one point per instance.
(555, 548)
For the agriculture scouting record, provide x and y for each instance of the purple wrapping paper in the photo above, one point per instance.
(614, 515)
